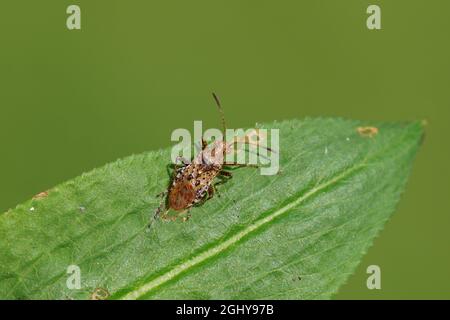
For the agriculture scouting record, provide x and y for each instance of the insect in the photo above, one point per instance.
(193, 182)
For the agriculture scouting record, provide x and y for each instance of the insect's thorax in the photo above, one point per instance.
(213, 154)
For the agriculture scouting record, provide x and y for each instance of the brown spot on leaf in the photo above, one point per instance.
(367, 132)
(41, 195)
(99, 294)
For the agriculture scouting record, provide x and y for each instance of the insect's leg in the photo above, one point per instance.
(169, 168)
(162, 194)
(187, 217)
(224, 176)
(161, 208)
(227, 174)
(211, 191)
(173, 167)
(174, 217)
(162, 205)
(166, 216)
(183, 161)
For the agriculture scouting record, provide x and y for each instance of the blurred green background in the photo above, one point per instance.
(74, 100)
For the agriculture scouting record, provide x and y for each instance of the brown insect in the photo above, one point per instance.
(192, 182)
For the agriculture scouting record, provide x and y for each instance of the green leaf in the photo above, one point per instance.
(295, 235)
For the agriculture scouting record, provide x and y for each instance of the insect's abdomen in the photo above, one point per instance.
(181, 196)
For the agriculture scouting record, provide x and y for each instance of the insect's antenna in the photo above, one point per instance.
(258, 145)
(222, 114)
